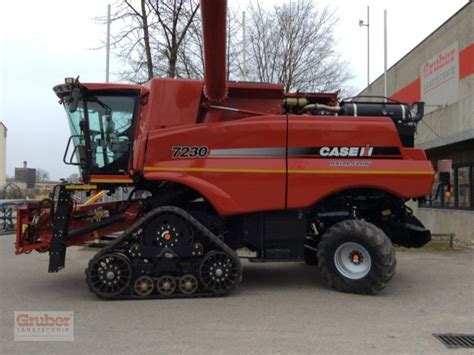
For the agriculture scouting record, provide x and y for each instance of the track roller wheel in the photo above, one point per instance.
(144, 285)
(166, 285)
(188, 284)
(109, 275)
(219, 273)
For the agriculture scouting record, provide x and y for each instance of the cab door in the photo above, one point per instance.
(110, 130)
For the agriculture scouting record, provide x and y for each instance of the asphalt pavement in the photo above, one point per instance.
(279, 308)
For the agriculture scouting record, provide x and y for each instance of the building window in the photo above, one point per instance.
(462, 188)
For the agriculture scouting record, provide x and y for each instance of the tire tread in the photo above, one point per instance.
(383, 262)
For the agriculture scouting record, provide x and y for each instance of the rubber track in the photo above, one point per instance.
(196, 224)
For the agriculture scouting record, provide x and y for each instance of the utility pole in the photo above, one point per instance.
(385, 54)
(107, 46)
(367, 24)
(244, 47)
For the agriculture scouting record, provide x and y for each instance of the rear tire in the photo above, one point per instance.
(356, 256)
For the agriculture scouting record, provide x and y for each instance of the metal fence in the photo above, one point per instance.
(8, 214)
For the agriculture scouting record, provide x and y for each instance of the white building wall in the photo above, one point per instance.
(450, 122)
(3, 153)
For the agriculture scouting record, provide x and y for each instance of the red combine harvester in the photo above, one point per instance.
(215, 166)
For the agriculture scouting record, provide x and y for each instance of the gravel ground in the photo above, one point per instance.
(279, 308)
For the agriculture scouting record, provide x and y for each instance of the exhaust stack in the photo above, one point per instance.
(214, 31)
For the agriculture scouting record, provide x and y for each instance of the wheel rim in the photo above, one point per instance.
(111, 274)
(134, 251)
(188, 284)
(166, 285)
(352, 260)
(168, 230)
(218, 272)
(144, 285)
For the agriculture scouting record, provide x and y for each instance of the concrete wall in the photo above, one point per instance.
(448, 221)
(3, 153)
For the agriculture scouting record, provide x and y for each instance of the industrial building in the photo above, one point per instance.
(3, 153)
(26, 176)
(440, 72)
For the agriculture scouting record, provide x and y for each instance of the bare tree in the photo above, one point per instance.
(174, 19)
(143, 16)
(42, 175)
(294, 44)
(132, 42)
(291, 44)
(191, 57)
(151, 36)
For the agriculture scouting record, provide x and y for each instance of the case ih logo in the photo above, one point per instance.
(346, 151)
(44, 326)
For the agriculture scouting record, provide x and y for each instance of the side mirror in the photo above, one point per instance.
(74, 99)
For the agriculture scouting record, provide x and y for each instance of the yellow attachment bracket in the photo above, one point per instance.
(93, 199)
(81, 187)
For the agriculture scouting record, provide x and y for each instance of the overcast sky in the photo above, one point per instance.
(42, 42)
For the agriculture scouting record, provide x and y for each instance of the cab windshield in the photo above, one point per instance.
(103, 125)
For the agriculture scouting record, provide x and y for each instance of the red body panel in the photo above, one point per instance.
(233, 185)
(246, 183)
(264, 98)
(309, 180)
(172, 103)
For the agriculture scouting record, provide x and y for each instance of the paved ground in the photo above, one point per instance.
(279, 308)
